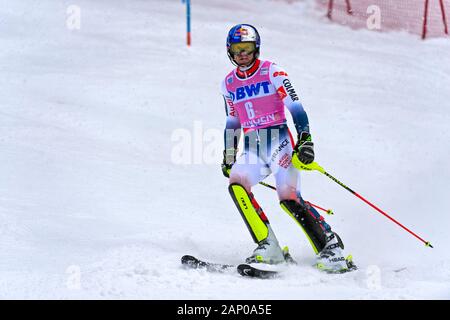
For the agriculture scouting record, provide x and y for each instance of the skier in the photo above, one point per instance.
(255, 94)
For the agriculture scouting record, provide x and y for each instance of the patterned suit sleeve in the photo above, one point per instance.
(232, 125)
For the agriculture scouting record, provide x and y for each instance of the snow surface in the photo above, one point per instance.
(93, 201)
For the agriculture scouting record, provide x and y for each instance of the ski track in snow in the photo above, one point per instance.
(92, 205)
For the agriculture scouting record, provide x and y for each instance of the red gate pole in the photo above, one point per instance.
(425, 18)
(444, 19)
(330, 8)
(349, 8)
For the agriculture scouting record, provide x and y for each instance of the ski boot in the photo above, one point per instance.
(268, 251)
(331, 259)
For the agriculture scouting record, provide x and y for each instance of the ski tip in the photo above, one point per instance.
(428, 244)
(187, 259)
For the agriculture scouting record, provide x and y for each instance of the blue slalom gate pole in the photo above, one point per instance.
(188, 21)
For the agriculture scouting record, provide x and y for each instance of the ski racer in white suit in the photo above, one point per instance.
(256, 94)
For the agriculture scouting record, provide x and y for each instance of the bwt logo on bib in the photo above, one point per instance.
(250, 91)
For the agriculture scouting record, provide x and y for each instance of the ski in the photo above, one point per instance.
(250, 270)
(243, 269)
(247, 270)
(194, 263)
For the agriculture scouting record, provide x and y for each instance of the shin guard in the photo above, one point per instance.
(251, 212)
(314, 227)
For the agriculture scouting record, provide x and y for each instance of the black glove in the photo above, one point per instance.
(229, 158)
(304, 149)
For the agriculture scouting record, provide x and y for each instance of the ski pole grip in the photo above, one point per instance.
(308, 167)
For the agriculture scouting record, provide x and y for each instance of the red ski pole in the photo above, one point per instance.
(314, 166)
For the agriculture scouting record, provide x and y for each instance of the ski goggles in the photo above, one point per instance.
(247, 47)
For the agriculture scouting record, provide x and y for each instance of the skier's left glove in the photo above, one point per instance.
(229, 158)
(304, 149)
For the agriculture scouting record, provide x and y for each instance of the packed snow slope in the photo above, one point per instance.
(95, 201)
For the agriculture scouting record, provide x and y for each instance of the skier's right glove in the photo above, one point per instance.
(304, 149)
(229, 158)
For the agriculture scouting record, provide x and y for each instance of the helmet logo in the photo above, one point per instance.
(243, 31)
